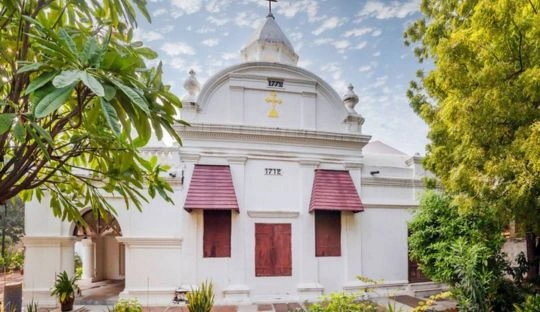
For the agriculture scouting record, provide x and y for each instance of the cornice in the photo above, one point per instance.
(416, 159)
(392, 182)
(160, 149)
(276, 135)
(151, 242)
(389, 206)
(273, 214)
(48, 241)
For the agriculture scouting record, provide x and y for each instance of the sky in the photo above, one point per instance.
(342, 41)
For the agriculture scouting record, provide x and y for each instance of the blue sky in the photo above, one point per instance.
(342, 41)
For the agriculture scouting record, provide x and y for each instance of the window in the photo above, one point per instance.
(217, 233)
(273, 249)
(327, 233)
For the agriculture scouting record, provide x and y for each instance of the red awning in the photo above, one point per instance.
(334, 190)
(211, 187)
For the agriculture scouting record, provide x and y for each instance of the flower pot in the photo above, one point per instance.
(67, 305)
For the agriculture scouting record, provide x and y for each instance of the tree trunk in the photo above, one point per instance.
(4, 231)
(532, 255)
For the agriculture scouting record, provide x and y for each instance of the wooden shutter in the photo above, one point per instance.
(327, 233)
(273, 250)
(282, 245)
(217, 233)
(264, 261)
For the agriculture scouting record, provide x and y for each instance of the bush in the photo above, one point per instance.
(13, 260)
(127, 305)
(342, 302)
(531, 304)
(201, 299)
(463, 251)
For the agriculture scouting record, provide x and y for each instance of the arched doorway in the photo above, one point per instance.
(102, 257)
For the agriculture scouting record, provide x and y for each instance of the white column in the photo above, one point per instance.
(87, 259)
(309, 286)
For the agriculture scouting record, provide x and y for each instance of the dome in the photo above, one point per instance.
(269, 44)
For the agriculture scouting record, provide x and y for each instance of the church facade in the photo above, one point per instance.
(279, 196)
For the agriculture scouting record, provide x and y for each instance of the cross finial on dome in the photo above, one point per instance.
(270, 8)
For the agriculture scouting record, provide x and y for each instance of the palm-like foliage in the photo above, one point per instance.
(65, 287)
(201, 299)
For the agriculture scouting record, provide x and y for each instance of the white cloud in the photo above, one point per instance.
(295, 36)
(360, 45)
(395, 9)
(290, 8)
(177, 48)
(328, 24)
(378, 53)
(321, 41)
(186, 7)
(356, 32)
(205, 29)
(216, 6)
(165, 29)
(146, 36)
(217, 21)
(227, 56)
(210, 42)
(304, 63)
(250, 19)
(341, 44)
(175, 62)
(376, 33)
(364, 69)
(379, 82)
(159, 12)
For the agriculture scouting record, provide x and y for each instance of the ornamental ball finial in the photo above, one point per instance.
(350, 99)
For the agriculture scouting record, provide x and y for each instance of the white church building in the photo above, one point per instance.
(278, 196)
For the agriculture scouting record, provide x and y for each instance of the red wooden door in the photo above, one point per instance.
(273, 249)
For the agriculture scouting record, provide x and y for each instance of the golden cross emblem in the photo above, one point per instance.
(273, 100)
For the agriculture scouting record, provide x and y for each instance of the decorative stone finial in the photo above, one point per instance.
(192, 86)
(350, 99)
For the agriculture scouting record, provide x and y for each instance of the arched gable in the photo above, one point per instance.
(272, 95)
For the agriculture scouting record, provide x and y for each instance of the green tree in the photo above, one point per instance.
(481, 102)
(12, 220)
(76, 102)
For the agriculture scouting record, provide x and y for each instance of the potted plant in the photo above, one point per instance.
(65, 289)
(202, 298)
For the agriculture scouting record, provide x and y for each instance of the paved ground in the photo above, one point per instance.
(8, 278)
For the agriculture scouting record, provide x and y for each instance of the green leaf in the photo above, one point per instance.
(64, 36)
(39, 82)
(42, 132)
(30, 67)
(135, 98)
(110, 115)
(147, 53)
(66, 78)
(5, 122)
(40, 144)
(141, 4)
(92, 83)
(110, 92)
(52, 101)
(19, 132)
(90, 51)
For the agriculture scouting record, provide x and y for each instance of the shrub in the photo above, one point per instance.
(531, 304)
(127, 305)
(201, 299)
(342, 302)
